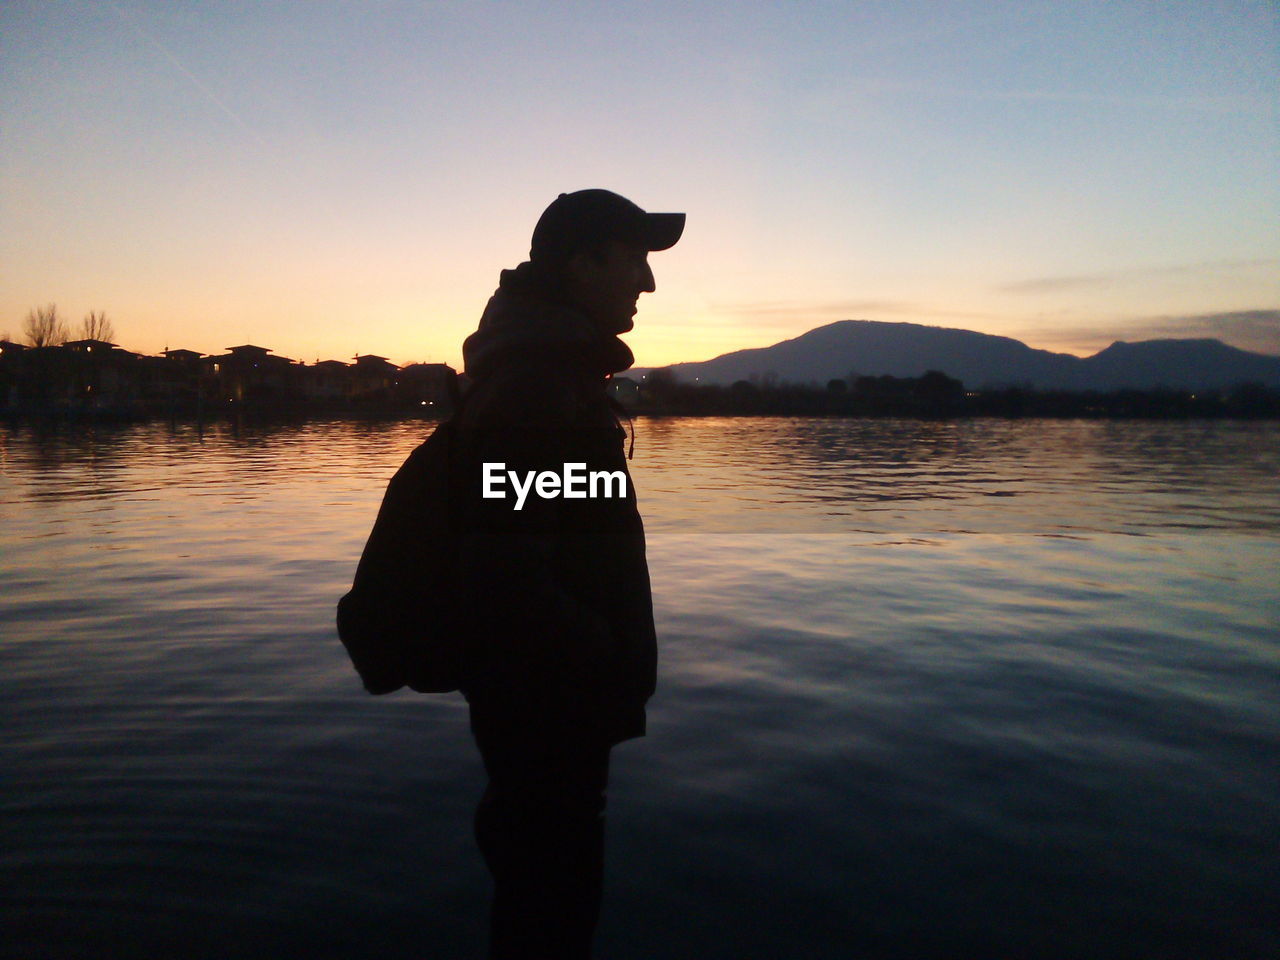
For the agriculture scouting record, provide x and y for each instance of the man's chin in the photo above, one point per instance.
(615, 322)
(620, 325)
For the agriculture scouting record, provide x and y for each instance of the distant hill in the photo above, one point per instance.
(873, 348)
(1195, 364)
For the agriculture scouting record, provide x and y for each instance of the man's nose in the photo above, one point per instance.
(647, 284)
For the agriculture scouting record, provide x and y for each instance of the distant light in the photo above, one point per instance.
(423, 403)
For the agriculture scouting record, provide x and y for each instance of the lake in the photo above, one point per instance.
(974, 688)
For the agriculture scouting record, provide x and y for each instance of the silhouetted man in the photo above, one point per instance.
(552, 578)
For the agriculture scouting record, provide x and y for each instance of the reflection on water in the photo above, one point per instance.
(908, 476)
(1017, 699)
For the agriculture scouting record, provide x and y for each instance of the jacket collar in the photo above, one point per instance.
(525, 320)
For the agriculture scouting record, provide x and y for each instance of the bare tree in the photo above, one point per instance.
(96, 326)
(44, 328)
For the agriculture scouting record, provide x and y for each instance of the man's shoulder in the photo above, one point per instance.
(537, 394)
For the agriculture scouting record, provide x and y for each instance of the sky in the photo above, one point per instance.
(329, 178)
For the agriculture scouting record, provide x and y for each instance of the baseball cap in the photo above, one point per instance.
(585, 218)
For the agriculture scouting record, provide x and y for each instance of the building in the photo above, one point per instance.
(426, 385)
(93, 376)
(248, 374)
(328, 381)
(374, 378)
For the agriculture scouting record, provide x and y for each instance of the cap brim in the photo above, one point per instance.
(663, 230)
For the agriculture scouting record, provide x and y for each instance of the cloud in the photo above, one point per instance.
(844, 309)
(1255, 330)
(1221, 104)
(1039, 285)
(844, 102)
(766, 308)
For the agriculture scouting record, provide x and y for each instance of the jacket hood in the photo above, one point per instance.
(525, 320)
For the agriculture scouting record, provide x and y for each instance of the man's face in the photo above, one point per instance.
(608, 288)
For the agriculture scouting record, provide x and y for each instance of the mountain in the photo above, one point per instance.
(873, 348)
(1195, 364)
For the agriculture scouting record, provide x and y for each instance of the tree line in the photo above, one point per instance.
(935, 394)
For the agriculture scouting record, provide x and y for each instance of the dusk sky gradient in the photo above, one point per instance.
(331, 178)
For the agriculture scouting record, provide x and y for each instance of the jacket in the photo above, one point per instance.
(554, 597)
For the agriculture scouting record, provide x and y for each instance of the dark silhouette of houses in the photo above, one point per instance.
(12, 370)
(99, 378)
(427, 385)
(176, 380)
(248, 374)
(373, 378)
(328, 381)
(104, 377)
